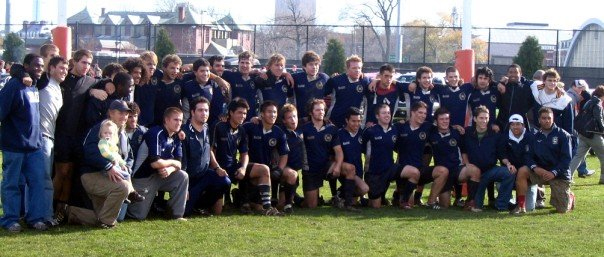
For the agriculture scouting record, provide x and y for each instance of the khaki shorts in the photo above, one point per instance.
(560, 196)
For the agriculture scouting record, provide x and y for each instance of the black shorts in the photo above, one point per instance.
(232, 170)
(379, 182)
(68, 149)
(425, 175)
(313, 179)
(453, 178)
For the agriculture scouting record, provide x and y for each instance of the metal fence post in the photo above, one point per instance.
(425, 38)
(307, 37)
(363, 42)
(489, 48)
(557, 47)
(255, 38)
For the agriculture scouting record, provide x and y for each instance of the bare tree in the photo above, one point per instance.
(382, 9)
(166, 5)
(296, 25)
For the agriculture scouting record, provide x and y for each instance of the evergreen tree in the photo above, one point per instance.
(530, 56)
(163, 44)
(14, 48)
(334, 58)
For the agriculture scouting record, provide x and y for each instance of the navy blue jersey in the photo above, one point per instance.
(273, 89)
(305, 90)
(144, 96)
(210, 91)
(379, 145)
(352, 147)
(319, 145)
(295, 142)
(196, 150)
(388, 96)
(262, 144)
(245, 89)
(489, 98)
(159, 146)
(428, 97)
(20, 117)
(484, 152)
(455, 100)
(411, 143)
(135, 138)
(227, 142)
(192, 89)
(346, 94)
(168, 95)
(445, 148)
(516, 148)
(551, 152)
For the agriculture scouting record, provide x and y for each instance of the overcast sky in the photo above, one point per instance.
(485, 13)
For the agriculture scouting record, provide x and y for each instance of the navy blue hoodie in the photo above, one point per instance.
(20, 117)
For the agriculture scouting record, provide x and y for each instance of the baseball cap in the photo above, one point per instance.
(516, 118)
(581, 83)
(119, 105)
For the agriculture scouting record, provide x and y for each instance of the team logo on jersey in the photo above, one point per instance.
(284, 88)
(140, 139)
(526, 148)
(555, 140)
(272, 142)
(422, 135)
(252, 85)
(493, 98)
(154, 81)
(360, 88)
(452, 142)
(393, 138)
(462, 96)
(360, 140)
(177, 89)
(327, 138)
(432, 99)
(319, 85)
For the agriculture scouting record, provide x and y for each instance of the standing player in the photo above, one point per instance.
(309, 84)
(424, 93)
(386, 92)
(347, 90)
(169, 92)
(379, 143)
(274, 87)
(242, 83)
(205, 84)
(146, 90)
(454, 96)
(516, 96)
(485, 93)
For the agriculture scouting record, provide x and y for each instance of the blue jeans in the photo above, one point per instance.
(30, 165)
(213, 186)
(506, 184)
(47, 149)
(582, 169)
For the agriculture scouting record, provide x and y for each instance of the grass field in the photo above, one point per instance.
(330, 232)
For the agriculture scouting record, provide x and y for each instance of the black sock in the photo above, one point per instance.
(407, 190)
(458, 189)
(472, 188)
(333, 185)
(275, 190)
(417, 196)
(289, 191)
(265, 195)
(491, 191)
(349, 188)
(244, 191)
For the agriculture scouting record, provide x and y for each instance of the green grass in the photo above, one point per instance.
(328, 232)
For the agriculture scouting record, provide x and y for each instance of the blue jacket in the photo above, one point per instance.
(20, 117)
(516, 151)
(485, 152)
(94, 161)
(196, 151)
(551, 152)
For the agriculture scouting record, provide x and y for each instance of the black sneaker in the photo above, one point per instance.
(288, 209)
(39, 226)
(135, 197)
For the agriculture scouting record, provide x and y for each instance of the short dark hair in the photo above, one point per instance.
(419, 104)
(311, 104)
(310, 56)
(386, 67)
(56, 61)
(485, 71)
(267, 104)
(480, 109)
(599, 91)
(121, 78)
(515, 66)
(201, 62)
(422, 70)
(215, 58)
(135, 62)
(77, 56)
(45, 48)
(381, 106)
(545, 110)
(198, 100)
(237, 103)
(353, 111)
(134, 108)
(112, 68)
(441, 111)
(171, 111)
(30, 58)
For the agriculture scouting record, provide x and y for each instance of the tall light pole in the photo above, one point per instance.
(7, 18)
(399, 42)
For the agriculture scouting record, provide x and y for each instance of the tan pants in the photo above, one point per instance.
(106, 196)
(560, 196)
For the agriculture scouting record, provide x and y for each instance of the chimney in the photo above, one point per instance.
(103, 11)
(181, 13)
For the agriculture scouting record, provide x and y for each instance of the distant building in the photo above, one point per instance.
(586, 48)
(192, 32)
(505, 43)
(302, 8)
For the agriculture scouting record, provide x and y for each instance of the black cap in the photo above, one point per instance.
(119, 105)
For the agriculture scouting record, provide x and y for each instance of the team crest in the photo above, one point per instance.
(360, 140)
(284, 88)
(555, 140)
(494, 99)
(319, 85)
(453, 142)
(360, 88)
(422, 135)
(327, 138)
(432, 99)
(177, 89)
(272, 142)
(462, 96)
(154, 81)
(252, 85)
(393, 138)
(526, 148)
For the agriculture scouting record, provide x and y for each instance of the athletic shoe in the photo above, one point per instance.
(518, 211)
(39, 226)
(180, 219)
(271, 211)
(51, 223)
(106, 226)
(15, 228)
(288, 209)
(433, 206)
(589, 173)
(405, 206)
(540, 204)
(459, 203)
(336, 202)
(470, 206)
(135, 197)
